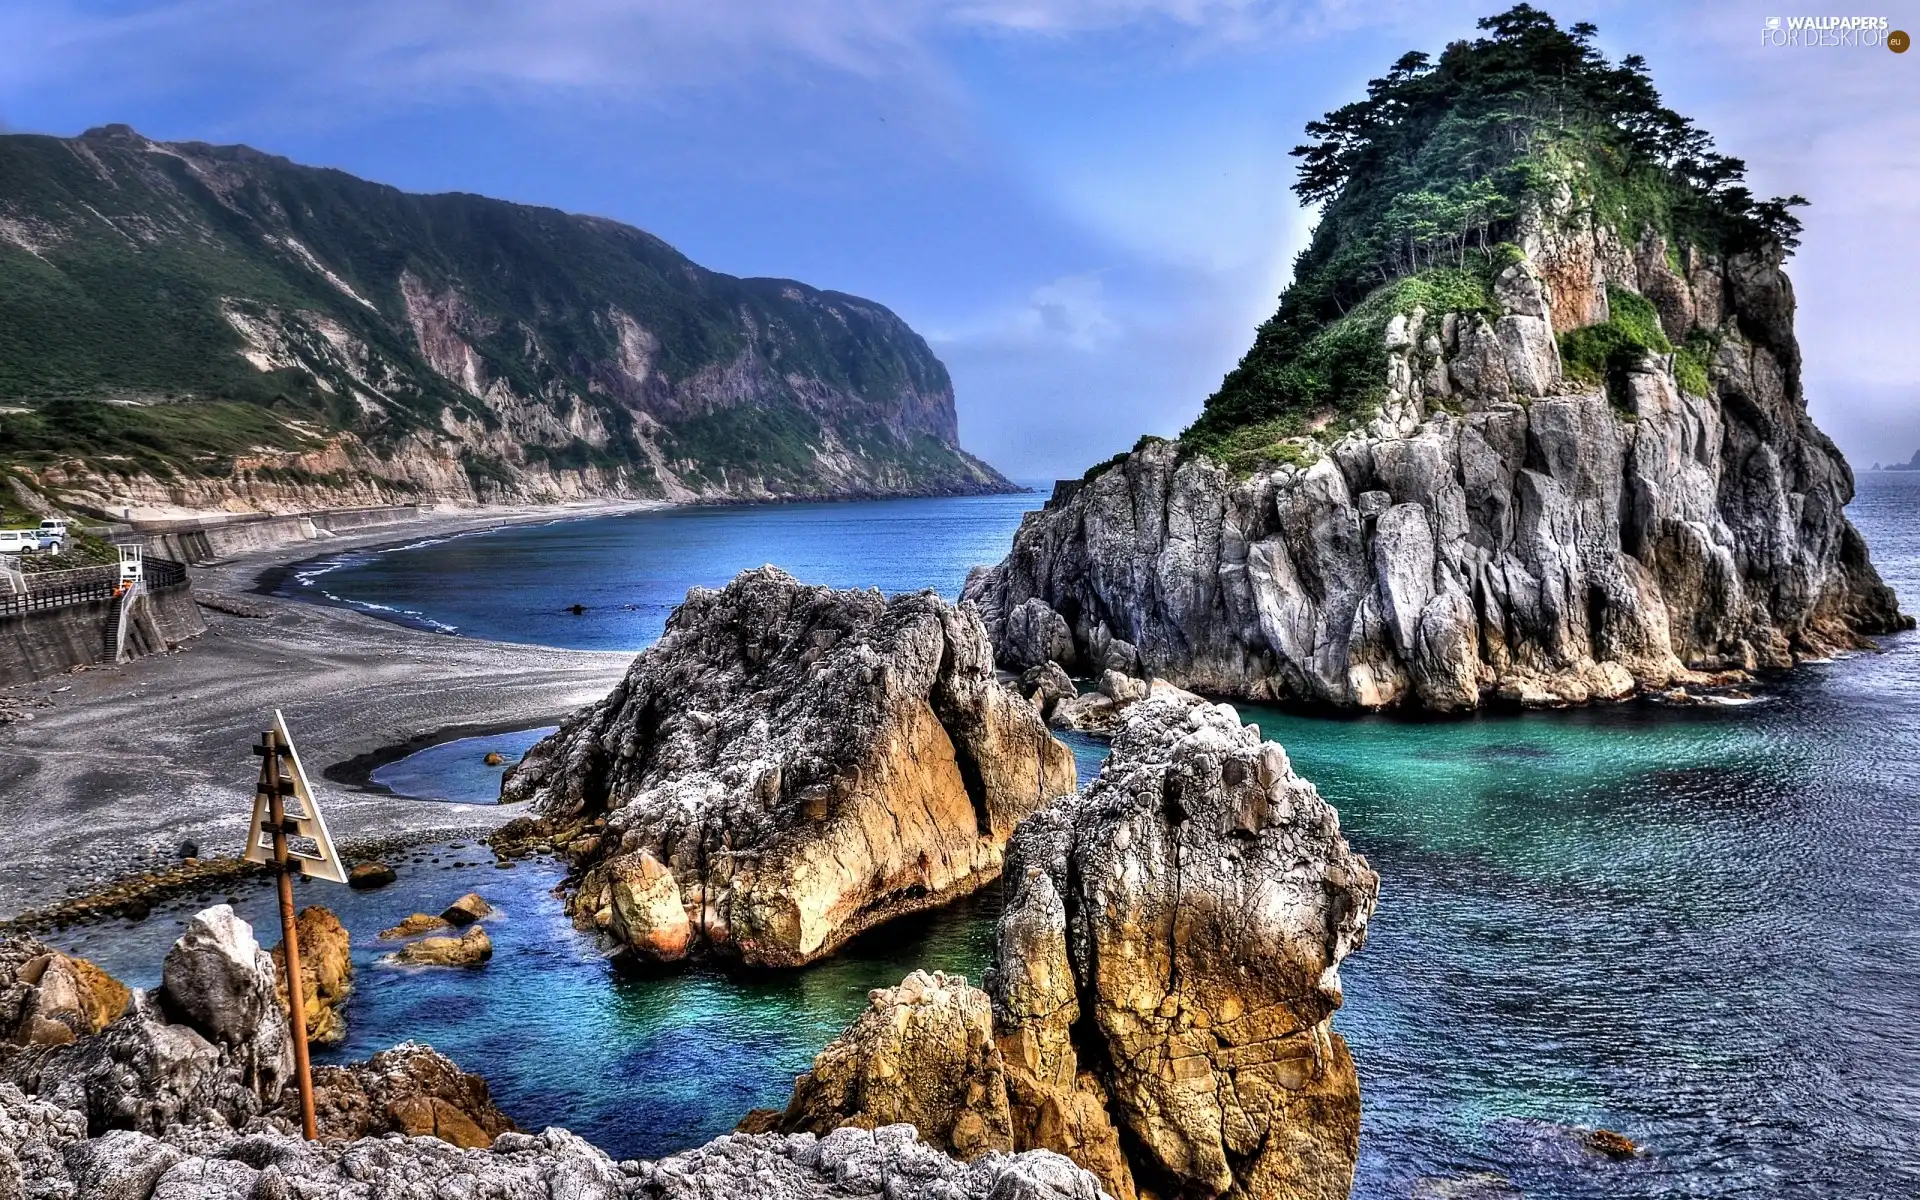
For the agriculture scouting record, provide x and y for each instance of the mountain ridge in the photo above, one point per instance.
(220, 327)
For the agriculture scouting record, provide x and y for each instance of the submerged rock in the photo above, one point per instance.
(326, 973)
(466, 910)
(367, 875)
(413, 926)
(1495, 530)
(789, 766)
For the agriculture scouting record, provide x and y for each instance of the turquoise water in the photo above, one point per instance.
(1698, 926)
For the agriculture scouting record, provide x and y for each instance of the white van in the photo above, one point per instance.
(53, 535)
(17, 541)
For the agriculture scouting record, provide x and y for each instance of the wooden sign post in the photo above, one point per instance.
(273, 828)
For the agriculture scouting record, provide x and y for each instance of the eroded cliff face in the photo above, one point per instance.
(788, 766)
(1496, 529)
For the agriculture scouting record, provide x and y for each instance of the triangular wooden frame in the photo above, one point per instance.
(309, 823)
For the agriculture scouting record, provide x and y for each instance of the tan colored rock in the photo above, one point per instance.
(922, 1054)
(1168, 959)
(647, 911)
(410, 1089)
(326, 973)
(48, 998)
(805, 763)
(413, 926)
(470, 949)
(466, 910)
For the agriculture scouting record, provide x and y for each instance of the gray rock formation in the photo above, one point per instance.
(210, 1046)
(46, 1155)
(786, 767)
(1496, 529)
(1163, 988)
(148, 1110)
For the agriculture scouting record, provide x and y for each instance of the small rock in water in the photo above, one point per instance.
(368, 875)
(466, 910)
(493, 758)
(470, 949)
(413, 926)
(1609, 1143)
(577, 609)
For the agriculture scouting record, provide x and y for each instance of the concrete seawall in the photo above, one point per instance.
(209, 539)
(53, 641)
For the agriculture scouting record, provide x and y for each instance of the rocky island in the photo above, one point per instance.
(1528, 426)
(786, 767)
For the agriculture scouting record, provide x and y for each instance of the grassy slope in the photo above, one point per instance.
(137, 249)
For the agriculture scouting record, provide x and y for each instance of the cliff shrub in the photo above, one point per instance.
(1602, 354)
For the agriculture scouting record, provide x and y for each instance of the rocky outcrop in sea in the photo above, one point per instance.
(1496, 530)
(788, 766)
(1163, 988)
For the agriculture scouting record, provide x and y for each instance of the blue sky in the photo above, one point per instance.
(1082, 204)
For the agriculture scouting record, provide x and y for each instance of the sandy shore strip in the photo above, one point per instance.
(121, 765)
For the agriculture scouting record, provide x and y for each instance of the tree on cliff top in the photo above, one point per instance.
(1435, 167)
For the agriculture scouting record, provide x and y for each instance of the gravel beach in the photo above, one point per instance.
(118, 766)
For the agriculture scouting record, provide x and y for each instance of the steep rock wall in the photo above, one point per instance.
(1495, 530)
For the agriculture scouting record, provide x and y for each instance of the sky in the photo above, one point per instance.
(1083, 205)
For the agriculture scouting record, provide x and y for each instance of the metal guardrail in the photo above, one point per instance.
(159, 572)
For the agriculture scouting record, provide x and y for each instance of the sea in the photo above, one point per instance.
(1698, 926)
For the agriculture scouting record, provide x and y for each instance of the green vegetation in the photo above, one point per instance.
(1604, 353)
(193, 437)
(148, 277)
(1335, 378)
(1427, 181)
(1690, 361)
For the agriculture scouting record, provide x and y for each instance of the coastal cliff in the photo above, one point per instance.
(213, 327)
(786, 767)
(1562, 452)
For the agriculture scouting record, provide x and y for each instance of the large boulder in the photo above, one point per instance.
(326, 973)
(217, 981)
(923, 1053)
(410, 1089)
(787, 767)
(49, 998)
(1164, 982)
(1170, 953)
